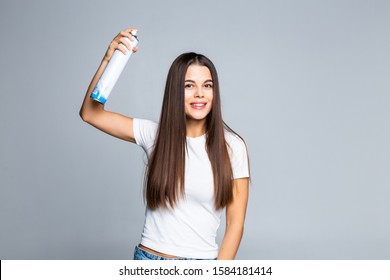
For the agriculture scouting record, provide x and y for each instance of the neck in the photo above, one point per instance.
(195, 128)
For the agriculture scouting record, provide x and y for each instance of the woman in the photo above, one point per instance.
(197, 166)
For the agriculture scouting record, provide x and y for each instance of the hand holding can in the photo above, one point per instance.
(117, 55)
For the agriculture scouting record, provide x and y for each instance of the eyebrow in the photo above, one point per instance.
(191, 81)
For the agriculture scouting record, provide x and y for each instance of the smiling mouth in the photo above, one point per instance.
(198, 105)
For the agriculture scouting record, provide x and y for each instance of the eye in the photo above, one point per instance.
(208, 85)
(188, 86)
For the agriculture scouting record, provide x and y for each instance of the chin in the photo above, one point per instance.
(196, 118)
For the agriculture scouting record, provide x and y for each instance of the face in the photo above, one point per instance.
(198, 90)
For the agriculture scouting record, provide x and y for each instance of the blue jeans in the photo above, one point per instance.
(140, 254)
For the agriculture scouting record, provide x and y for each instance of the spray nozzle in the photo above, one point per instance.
(134, 33)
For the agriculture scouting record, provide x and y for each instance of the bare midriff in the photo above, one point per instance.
(156, 252)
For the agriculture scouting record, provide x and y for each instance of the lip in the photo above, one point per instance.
(198, 105)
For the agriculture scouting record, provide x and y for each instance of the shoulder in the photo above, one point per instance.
(144, 131)
(238, 154)
(234, 141)
(142, 123)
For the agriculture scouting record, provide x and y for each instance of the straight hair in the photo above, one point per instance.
(165, 173)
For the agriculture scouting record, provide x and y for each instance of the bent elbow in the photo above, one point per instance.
(84, 116)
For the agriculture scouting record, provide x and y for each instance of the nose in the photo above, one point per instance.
(199, 92)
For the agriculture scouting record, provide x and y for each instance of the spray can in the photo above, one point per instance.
(112, 72)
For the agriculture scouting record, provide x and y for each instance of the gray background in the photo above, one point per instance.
(306, 83)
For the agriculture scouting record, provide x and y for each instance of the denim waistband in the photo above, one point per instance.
(140, 254)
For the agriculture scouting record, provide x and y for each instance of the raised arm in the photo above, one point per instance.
(235, 217)
(93, 112)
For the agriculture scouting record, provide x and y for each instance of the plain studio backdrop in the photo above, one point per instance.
(305, 83)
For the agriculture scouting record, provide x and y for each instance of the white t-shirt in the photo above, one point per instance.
(189, 229)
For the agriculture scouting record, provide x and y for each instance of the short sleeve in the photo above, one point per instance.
(145, 133)
(238, 156)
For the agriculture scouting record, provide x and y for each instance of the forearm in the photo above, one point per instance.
(93, 112)
(89, 106)
(231, 242)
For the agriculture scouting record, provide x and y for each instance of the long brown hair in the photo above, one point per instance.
(164, 177)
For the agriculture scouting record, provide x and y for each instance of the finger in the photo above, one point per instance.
(128, 35)
(125, 43)
(134, 32)
(130, 30)
(122, 48)
(135, 49)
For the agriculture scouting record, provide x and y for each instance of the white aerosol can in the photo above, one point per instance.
(112, 72)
